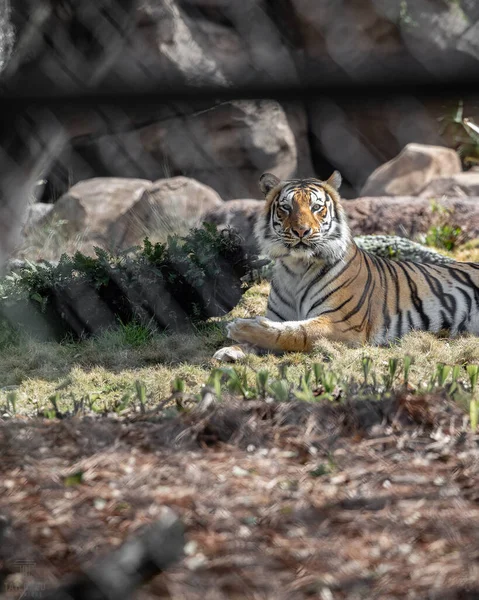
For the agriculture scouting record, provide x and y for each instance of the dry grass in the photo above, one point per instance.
(468, 252)
(107, 367)
(104, 368)
(50, 240)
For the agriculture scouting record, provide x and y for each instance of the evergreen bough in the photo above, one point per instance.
(165, 286)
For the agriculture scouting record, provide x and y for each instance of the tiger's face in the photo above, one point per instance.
(303, 217)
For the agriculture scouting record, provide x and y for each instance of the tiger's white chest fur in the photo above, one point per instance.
(296, 286)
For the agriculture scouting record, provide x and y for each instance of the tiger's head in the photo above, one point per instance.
(303, 219)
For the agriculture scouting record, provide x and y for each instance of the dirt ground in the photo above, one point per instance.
(279, 501)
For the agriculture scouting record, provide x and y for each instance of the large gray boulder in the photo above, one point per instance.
(174, 45)
(239, 214)
(128, 45)
(180, 201)
(118, 212)
(226, 147)
(35, 214)
(411, 170)
(95, 208)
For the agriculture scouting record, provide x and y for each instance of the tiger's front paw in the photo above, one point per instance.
(259, 331)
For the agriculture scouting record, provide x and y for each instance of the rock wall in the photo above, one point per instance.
(133, 47)
(226, 147)
(193, 48)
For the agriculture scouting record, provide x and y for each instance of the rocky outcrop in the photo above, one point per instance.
(387, 36)
(123, 44)
(119, 212)
(401, 216)
(180, 200)
(442, 36)
(93, 208)
(409, 172)
(203, 43)
(462, 184)
(35, 215)
(226, 146)
(345, 34)
(6, 33)
(69, 46)
(240, 214)
(409, 215)
(174, 46)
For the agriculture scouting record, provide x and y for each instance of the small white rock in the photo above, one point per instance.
(326, 594)
(195, 562)
(99, 503)
(229, 354)
(239, 471)
(190, 548)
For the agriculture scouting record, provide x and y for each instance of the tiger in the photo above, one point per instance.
(325, 286)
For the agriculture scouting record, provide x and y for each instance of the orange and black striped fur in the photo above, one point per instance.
(324, 286)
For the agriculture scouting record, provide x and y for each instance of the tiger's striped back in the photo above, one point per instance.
(376, 300)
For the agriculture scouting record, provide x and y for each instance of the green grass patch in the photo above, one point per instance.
(126, 369)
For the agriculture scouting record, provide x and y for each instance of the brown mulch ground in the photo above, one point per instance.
(280, 501)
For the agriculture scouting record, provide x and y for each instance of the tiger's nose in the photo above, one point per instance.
(302, 232)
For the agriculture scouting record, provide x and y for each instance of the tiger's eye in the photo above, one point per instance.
(316, 207)
(284, 207)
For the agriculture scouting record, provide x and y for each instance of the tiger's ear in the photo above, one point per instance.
(335, 180)
(267, 182)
